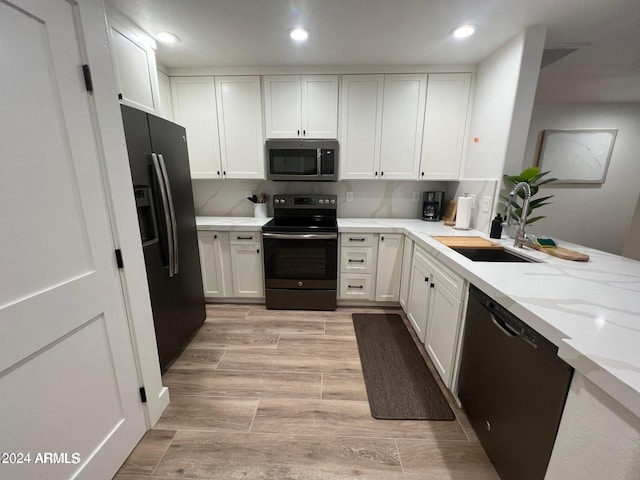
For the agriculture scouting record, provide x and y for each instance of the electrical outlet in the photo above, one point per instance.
(349, 196)
(486, 204)
(416, 196)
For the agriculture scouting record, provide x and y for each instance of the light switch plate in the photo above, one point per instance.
(349, 196)
(486, 204)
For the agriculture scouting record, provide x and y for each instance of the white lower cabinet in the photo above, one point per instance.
(434, 308)
(405, 278)
(231, 264)
(215, 261)
(246, 264)
(389, 268)
(370, 266)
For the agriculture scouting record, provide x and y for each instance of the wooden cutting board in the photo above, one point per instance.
(564, 253)
(467, 242)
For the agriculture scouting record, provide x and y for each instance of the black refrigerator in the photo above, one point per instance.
(164, 201)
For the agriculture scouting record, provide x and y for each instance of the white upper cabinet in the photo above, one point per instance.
(165, 107)
(240, 126)
(361, 126)
(382, 123)
(301, 106)
(135, 67)
(445, 126)
(194, 107)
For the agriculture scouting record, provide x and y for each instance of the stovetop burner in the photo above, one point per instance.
(303, 213)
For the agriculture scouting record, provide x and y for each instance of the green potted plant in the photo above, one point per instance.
(533, 177)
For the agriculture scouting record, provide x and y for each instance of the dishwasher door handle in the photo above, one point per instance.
(504, 327)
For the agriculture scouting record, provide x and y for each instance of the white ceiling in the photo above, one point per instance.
(253, 33)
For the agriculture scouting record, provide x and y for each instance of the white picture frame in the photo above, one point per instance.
(577, 156)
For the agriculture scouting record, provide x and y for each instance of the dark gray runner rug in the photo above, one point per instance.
(399, 383)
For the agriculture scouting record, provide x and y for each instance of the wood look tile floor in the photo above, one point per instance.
(267, 394)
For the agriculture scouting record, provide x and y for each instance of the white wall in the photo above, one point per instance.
(496, 87)
(631, 247)
(597, 216)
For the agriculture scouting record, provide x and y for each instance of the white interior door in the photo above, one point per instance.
(68, 382)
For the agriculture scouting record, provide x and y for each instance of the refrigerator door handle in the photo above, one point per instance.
(165, 208)
(172, 211)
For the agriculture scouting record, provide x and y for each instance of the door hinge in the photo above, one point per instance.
(119, 261)
(88, 82)
(143, 395)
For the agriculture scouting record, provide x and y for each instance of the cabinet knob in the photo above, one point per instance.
(426, 279)
(218, 172)
(258, 251)
(382, 239)
(376, 174)
(304, 133)
(422, 174)
(381, 174)
(432, 285)
(298, 133)
(215, 237)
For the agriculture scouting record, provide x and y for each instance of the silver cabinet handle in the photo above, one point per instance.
(302, 236)
(172, 211)
(165, 208)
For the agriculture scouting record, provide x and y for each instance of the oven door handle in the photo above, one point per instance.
(302, 236)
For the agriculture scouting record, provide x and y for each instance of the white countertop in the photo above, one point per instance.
(590, 310)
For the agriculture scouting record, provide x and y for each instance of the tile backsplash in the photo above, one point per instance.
(371, 199)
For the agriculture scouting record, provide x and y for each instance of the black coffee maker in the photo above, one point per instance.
(432, 206)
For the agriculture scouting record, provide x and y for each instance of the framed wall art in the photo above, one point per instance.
(576, 156)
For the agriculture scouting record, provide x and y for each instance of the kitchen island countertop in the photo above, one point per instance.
(590, 310)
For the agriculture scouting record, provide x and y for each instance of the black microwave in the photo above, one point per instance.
(302, 160)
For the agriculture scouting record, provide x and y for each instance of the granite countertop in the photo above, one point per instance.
(590, 310)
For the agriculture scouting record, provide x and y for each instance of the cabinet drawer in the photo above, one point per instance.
(244, 238)
(357, 239)
(356, 259)
(445, 276)
(356, 286)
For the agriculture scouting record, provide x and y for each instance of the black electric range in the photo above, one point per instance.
(300, 248)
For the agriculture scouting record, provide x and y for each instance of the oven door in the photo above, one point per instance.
(302, 261)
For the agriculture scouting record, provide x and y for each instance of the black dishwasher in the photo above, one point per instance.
(513, 388)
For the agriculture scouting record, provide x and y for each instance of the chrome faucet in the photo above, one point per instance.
(521, 237)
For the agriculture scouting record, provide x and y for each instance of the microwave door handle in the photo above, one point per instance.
(319, 162)
(165, 209)
(172, 212)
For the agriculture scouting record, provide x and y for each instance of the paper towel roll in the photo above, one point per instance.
(463, 213)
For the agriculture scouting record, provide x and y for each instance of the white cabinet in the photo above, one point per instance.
(246, 264)
(418, 301)
(135, 66)
(239, 108)
(405, 280)
(435, 310)
(382, 125)
(402, 126)
(301, 106)
(357, 266)
(194, 107)
(445, 126)
(215, 261)
(165, 106)
(361, 126)
(389, 268)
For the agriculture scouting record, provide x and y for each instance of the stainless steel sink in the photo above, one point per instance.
(492, 255)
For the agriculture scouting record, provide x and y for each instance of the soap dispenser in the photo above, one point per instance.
(496, 227)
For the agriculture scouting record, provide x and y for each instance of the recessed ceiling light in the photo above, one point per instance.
(464, 31)
(167, 37)
(299, 34)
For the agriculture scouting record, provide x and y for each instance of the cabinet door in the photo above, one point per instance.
(194, 107)
(282, 106)
(361, 125)
(319, 106)
(417, 307)
(135, 66)
(390, 248)
(402, 125)
(246, 266)
(164, 94)
(215, 263)
(442, 329)
(405, 281)
(445, 126)
(240, 126)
